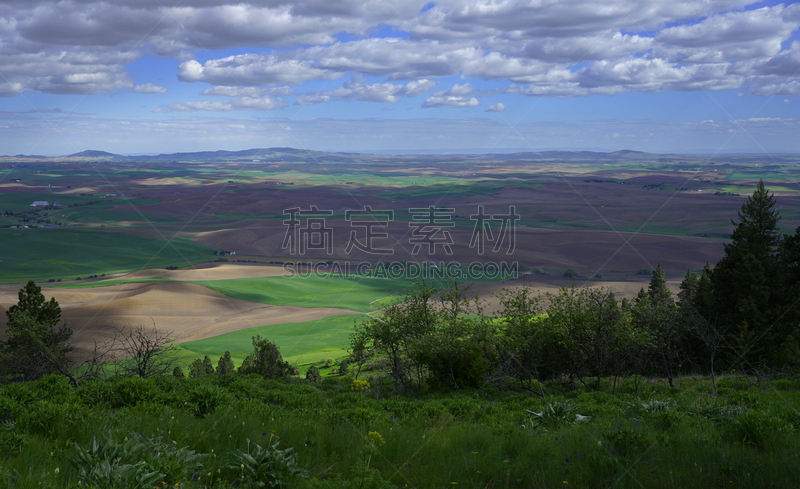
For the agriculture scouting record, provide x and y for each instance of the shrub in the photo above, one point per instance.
(313, 375)
(262, 467)
(754, 428)
(625, 440)
(207, 398)
(265, 361)
(570, 273)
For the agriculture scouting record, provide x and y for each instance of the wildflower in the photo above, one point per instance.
(56, 471)
(375, 437)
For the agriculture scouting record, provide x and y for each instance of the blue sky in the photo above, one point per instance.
(150, 76)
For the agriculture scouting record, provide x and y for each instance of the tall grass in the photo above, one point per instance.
(348, 438)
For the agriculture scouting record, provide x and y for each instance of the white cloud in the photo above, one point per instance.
(223, 91)
(240, 103)
(543, 47)
(728, 37)
(252, 70)
(450, 102)
(498, 107)
(356, 89)
(149, 88)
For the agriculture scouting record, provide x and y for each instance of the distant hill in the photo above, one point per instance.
(90, 153)
(289, 155)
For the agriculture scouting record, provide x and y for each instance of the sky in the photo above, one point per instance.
(163, 76)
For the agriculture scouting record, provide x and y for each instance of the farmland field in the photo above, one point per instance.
(122, 222)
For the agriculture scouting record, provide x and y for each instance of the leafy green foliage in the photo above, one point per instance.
(313, 375)
(265, 361)
(557, 414)
(268, 466)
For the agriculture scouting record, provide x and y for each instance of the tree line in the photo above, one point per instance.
(741, 314)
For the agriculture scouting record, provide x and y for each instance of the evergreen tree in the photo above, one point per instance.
(313, 375)
(34, 345)
(688, 290)
(746, 282)
(658, 291)
(208, 366)
(789, 257)
(197, 369)
(32, 303)
(177, 372)
(225, 364)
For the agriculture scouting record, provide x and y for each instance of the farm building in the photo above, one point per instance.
(40, 203)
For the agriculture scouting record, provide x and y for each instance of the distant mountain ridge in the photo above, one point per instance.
(288, 155)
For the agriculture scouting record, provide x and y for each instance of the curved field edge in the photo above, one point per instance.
(300, 343)
(319, 291)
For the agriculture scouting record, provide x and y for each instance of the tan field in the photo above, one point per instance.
(209, 271)
(191, 312)
(487, 291)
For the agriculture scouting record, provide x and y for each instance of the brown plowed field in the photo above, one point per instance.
(190, 311)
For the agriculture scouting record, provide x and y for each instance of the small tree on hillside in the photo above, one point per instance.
(208, 366)
(657, 314)
(313, 375)
(35, 345)
(196, 369)
(144, 352)
(225, 364)
(265, 361)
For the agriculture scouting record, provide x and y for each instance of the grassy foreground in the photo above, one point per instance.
(231, 431)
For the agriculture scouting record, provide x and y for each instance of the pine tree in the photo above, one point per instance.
(688, 289)
(225, 364)
(197, 369)
(208, 367)
(34, 345)
(658, 291)
(746, 282)
(32, 303)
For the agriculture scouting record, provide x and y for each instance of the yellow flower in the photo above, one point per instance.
(375, 437)
(359, 385)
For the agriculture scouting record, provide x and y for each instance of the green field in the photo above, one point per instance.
(300, 343)
(348, 293)
(68, 253)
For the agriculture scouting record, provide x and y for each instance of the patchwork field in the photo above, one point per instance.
(220, 225)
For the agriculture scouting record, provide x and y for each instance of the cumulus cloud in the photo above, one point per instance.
(450, 102)
(454, 97)
(542, 48)
(728, 37)
(223, 91)
(252, 70)
(149, 88)
(356, 89)
(240, 103)
(498, 107)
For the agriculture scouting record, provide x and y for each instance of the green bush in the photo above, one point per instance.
(259, 466)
